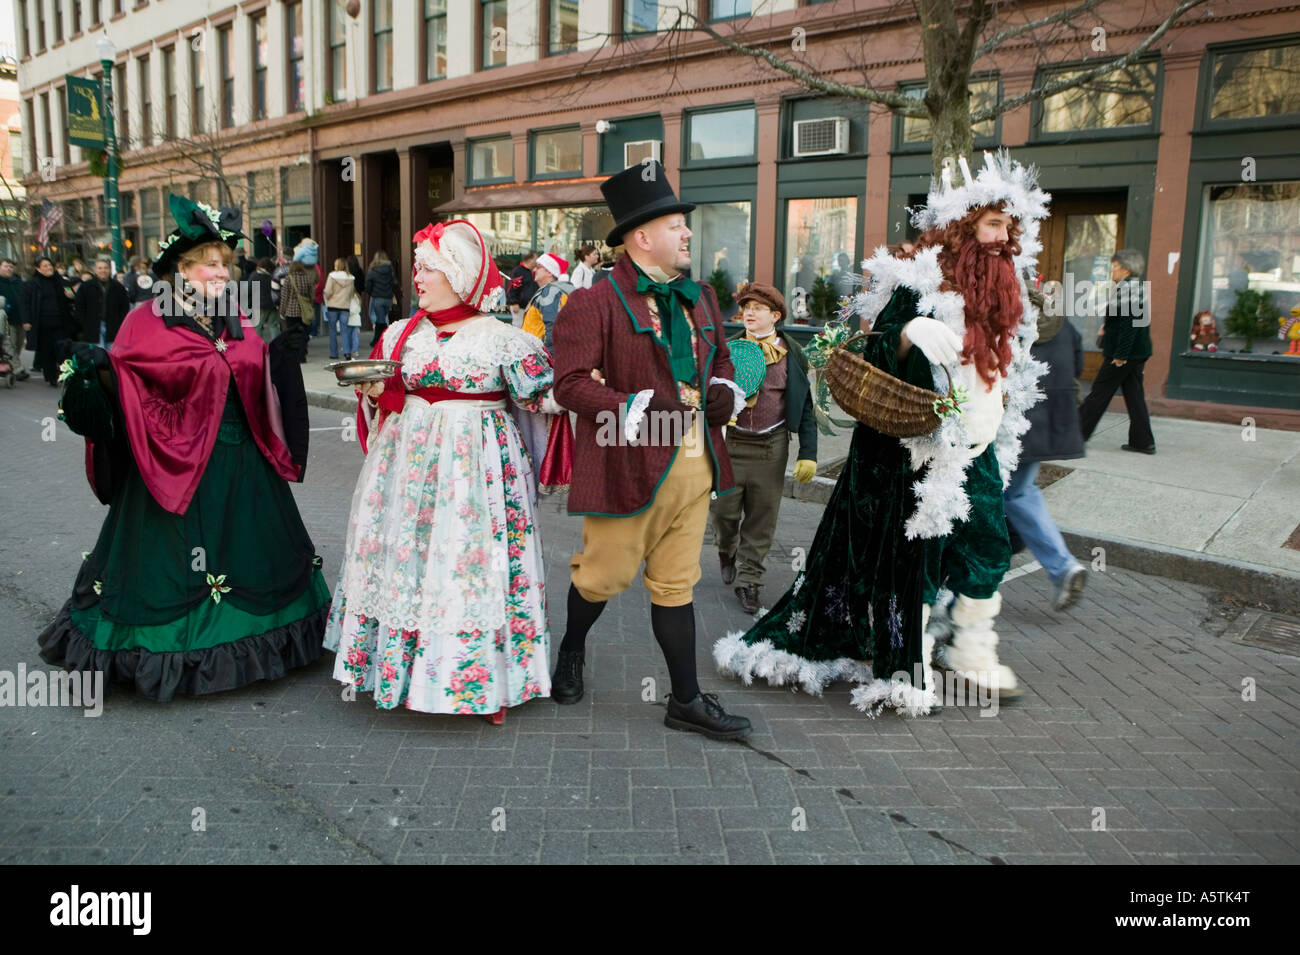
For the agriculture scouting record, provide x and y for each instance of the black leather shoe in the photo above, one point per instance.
(748, 597)
(728, 564)
(705, 714)
(566, 684)
(1129, 447)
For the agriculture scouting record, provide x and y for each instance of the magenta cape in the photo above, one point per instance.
(172, 384)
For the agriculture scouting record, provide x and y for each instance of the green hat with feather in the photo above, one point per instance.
(196, 224)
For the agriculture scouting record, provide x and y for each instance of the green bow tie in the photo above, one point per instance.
(669, 296)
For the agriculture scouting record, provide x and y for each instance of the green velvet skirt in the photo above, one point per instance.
(227, 593)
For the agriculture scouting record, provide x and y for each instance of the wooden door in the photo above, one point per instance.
(1084, 231)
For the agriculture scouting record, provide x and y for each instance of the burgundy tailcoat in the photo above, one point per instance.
(609, 327)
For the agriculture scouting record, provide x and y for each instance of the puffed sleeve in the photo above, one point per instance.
(529, 380)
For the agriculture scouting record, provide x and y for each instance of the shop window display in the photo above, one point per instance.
(1248, 275)
(821, 264)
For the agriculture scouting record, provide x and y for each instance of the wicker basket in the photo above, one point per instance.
(878, 399)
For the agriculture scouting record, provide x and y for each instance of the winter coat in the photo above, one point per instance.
(1126, 331)
(379, 282)
(1054, 432)
(290, 306)
(12, 291)
(340, 289)
(91, 308)
(520, 288)
(262, 299)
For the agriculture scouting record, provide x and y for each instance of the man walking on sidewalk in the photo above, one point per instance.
(649, 340)
(1126, 346)
(759, 444)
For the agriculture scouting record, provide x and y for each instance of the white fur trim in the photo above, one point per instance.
(1002, 180)
(735, 657)
(737, 394)
(636, 413)
(941, 494)
(871, 698)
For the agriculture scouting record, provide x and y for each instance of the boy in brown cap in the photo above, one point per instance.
(758, 443)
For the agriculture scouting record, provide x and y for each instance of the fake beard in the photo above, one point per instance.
(985, 275)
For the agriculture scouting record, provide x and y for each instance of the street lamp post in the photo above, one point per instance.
(107, 55)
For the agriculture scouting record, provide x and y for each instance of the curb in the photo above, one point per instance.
(332, 400)
(1274, 587)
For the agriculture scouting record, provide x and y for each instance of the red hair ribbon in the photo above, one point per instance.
(431, 232)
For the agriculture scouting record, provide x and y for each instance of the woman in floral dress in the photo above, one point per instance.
(441, 605)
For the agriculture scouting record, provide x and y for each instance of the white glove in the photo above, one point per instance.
(936, 340)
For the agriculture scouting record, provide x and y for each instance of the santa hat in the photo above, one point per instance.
(457, 250)
(553, 264)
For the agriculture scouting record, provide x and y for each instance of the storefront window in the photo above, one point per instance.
(821, 265)
(983, 93)
(1122, 98)
(508, 233)
(1250, 263)
(563, 230)
(720, 248)
(722, 134)
(557, 151)
(491, 160)
(1250, 83)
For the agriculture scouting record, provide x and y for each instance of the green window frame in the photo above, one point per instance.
(1127, 131)
(1210, 65)
(535, 140)
(702, 115)
(987, 134)
(474, 144)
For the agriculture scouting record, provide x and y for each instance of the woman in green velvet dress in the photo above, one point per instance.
(203, 577)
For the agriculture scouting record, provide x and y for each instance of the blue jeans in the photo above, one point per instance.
(314, 328)
(336, 319)
(379, 308)
(1027, 512)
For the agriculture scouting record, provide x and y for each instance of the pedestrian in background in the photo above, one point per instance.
(380, 284)
(553, 292)
(339, 292)
(11, 289)
(308, 253)
(1054, 434)
(265, 316)
(584, 272)
(295, 300)
(101, 304)
(521, 287)
(1126, 346)
(139, 281)
(47, 305)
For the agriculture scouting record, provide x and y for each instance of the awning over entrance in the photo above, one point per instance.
(561, 192)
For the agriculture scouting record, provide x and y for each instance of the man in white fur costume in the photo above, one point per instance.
(911, 516)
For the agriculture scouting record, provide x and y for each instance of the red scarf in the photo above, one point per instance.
(394, 395)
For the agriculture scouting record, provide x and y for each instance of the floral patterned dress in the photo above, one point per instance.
(441, 605)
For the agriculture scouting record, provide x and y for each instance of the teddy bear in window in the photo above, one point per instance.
(1205, 334)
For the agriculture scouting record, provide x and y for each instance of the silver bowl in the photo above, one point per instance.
(360, 370)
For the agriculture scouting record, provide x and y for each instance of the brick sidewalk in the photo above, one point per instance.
(1133, 706)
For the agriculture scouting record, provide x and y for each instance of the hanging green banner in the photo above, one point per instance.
(85, 113)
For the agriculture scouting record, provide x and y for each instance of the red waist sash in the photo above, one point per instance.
(432, 394)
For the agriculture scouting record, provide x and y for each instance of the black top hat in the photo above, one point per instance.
(638, 194)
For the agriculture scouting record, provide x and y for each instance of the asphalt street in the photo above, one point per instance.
(1148, 733)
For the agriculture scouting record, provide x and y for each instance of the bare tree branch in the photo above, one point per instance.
(1064, 16)
(898, 102)
(1070, 82)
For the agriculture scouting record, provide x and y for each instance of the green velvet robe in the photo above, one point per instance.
(859, 597)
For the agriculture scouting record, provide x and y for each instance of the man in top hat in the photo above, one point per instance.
(655, 340)
(758, 444)
(552, 294)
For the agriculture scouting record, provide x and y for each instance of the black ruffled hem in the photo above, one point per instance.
(161, 676)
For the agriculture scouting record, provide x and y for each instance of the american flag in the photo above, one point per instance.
(51, 216)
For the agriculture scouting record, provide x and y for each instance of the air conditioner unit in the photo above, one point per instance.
(821, 137)
(640, 150)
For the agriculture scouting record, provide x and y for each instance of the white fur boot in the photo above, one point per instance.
(927, 648)
(973, 652)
